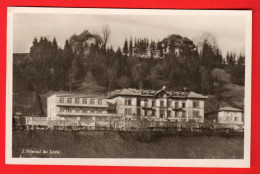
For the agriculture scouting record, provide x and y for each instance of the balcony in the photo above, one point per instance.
(83, 105)
(79, 114)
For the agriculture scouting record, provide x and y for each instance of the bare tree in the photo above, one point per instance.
(106, 35)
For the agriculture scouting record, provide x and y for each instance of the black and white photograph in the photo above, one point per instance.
(128, 87)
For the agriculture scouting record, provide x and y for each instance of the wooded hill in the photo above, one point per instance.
(174, 62)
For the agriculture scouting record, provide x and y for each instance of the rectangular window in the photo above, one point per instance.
(176, 105)
(183, 114)
(92, 101)
(153, 103)
(145, 113)
(161, 103)
(128, 111)
(77, 110)
(69, 100)
(183, 104)
(68, 110)
(100, 101)
(153, 113)
(170, 103)
(92, 111)
(146, 103)
(61, 100)
(196, 114)
(85, 101)
(61, 109)
(77, 100)
(128, 102)
(169, 114)
(235, 118)
(85, 110)
(161, 113)
(99, 111)
(196, 104)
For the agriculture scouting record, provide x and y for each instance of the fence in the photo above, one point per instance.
(125, 125)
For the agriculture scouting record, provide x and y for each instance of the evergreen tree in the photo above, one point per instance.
(152, 49)
(125, 48)
(131, 47)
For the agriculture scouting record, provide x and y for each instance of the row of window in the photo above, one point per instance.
(176, 104)
(232, 113)
(78, 101)
(195, 114)
(228, 119)
(81, 110)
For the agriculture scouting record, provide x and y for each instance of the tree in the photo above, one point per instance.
(123, 82)
(155, 75)
(131, 47)
(137, 73)
(125, 48)
(106, 35)
(152, 49)
(111, 76)
(160, 49)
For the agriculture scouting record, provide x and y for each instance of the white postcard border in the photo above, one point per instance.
(237, 163)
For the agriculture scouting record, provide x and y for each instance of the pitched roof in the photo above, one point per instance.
(128, 92)
(230, 109)
(78, 95)
(141, 92)
(195, 95)
(177, 40)
(85, 34)
(157, 92)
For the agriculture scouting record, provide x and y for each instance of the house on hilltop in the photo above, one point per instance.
(174, 43)
(82, 43)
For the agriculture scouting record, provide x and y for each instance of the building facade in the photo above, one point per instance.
(126, 104)
(159, 105)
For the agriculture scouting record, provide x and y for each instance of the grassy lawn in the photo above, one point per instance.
(127, 145)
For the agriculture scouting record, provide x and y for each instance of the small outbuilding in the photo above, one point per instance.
(226, 115)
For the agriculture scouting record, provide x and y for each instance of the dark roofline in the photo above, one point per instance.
(154, 96)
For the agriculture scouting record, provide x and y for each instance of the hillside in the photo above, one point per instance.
(231, 94)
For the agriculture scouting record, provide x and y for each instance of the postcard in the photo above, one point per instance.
(128, 87)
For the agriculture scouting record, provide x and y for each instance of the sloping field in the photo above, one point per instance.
(26, 101)
(221, 74)
(234, 95)
(126, 145)
(231, 95)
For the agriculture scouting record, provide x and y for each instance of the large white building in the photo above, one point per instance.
(127, 104)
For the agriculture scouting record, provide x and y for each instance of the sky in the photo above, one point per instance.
(229, 31)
